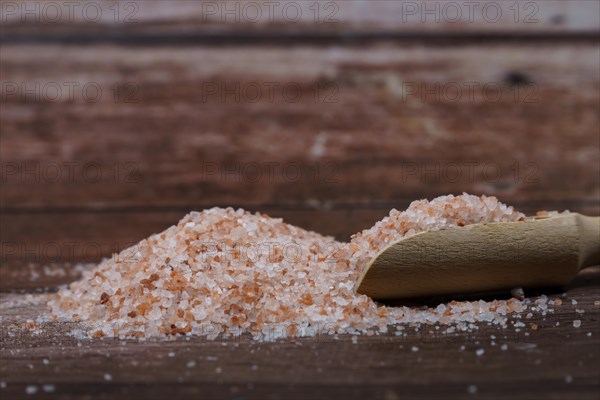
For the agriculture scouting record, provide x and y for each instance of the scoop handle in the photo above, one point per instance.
(589, 245)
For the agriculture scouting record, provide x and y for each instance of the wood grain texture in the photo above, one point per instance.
(483, 258)
(385, 125)
(31, 20)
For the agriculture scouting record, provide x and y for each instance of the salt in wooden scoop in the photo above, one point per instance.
(543, 252)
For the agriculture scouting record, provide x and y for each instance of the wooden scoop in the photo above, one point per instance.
(545, 252)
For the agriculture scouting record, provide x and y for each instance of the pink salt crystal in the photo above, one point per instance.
(223, 270)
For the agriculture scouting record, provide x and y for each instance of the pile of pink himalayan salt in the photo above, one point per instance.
(228, 272)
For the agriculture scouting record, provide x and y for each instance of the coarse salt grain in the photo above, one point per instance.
(577, 323)
(48, 388)
(228, 272)
(31, 389)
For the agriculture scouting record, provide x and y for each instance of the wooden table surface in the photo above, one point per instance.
(552, 361)
(353, 116)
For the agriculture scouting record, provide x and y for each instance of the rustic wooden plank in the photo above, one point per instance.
(386, 124)
(41, 20)
(556, 361)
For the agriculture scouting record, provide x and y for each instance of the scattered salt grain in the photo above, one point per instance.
(472, 389)
(45, 361)
(2, 385)
(573, 301)
(414, 349)
(568, 379)
(577, 323)
(171, 354)
(354, 339)
(191, 364)
(48, 388)
(31, 389)
(107, 377)
(534, 327)
(218, 370)
(504, 347)
(479, 352)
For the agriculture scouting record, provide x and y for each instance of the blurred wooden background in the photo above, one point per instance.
(118, 118)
